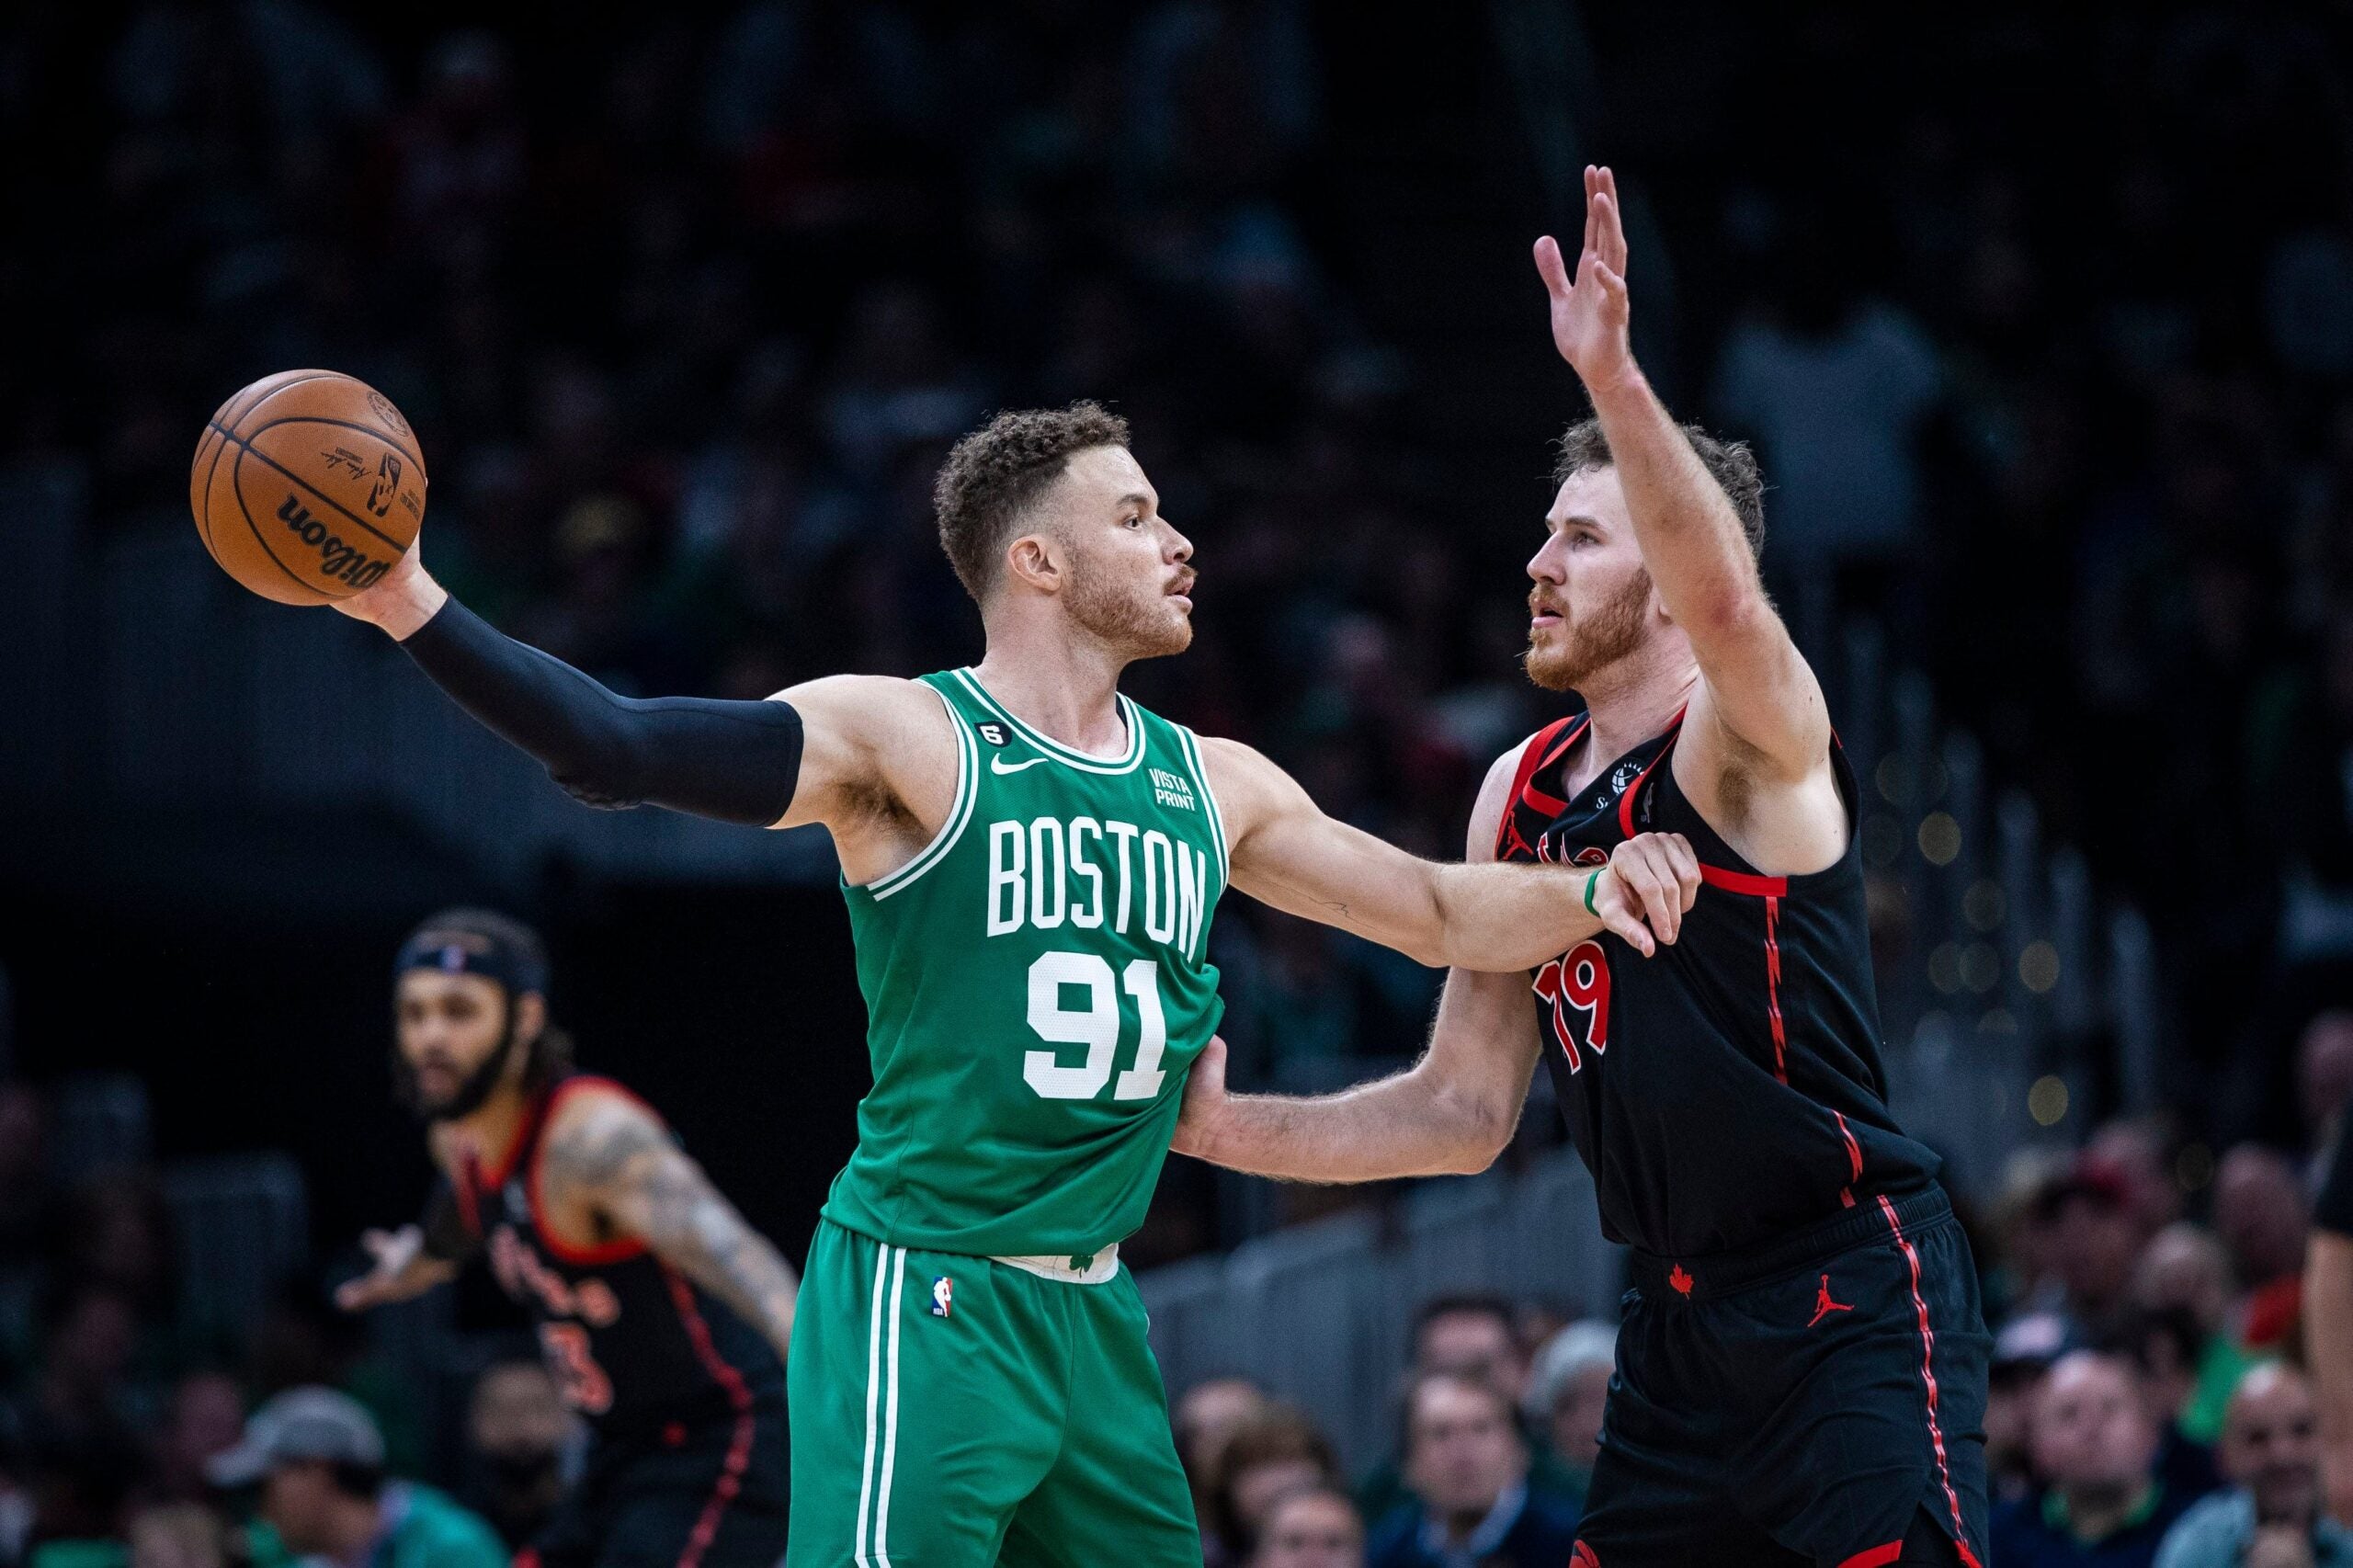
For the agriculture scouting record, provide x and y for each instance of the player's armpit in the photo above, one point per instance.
(870, 745)
(607, 1157)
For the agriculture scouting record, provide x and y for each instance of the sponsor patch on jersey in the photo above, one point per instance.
(943, 1296)
(993, 732)
(1172, 789)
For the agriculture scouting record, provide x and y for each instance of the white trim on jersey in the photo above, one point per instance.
(968, 792)
(1192, 745)
(1068, 755)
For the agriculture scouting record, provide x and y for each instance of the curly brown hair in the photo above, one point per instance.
(998, 472)
(1731, 463)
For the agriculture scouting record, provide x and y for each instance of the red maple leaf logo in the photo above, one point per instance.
(1681, 1280)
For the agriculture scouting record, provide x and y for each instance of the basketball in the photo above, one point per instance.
(307, 486)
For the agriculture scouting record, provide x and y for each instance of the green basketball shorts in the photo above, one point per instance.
(954, 1412)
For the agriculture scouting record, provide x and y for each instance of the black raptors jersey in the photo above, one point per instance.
(639, 1349)
(1728, 1090)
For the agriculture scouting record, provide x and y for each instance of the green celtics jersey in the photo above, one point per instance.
(1037, 985)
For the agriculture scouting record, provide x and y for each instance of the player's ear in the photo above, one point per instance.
(530, 1016)
(1035, 559)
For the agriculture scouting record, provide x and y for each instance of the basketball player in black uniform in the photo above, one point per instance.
(1802, 1364)
(663, 1315)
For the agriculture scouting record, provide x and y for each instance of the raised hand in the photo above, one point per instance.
(1589, 314)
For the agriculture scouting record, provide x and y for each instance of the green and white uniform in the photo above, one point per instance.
(970, 1377)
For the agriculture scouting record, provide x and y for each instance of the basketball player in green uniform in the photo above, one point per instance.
(1031, 863)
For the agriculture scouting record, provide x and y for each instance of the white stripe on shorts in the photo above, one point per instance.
(873, 1388)
(889, 1420)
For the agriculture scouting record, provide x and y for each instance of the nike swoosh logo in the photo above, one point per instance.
(998, 765)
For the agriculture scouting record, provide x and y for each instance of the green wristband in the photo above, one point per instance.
(1589, 882)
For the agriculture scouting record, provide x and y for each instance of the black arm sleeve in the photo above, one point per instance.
(734, 761)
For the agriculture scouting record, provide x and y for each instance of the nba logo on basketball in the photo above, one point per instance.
(943, 1290)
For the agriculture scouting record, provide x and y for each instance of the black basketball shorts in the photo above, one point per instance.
(714, 1495)
(1821, 1400)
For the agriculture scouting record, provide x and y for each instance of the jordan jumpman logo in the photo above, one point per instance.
(1824, 1306)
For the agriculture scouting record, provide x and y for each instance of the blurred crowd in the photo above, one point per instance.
(687, 310)
(2148, 1401)
(140, 1424)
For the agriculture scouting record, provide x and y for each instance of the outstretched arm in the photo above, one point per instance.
(867, 755)
(1757, 687)
(1450, 1113)
(1284, 851)
(610, 1155)
(736, 761)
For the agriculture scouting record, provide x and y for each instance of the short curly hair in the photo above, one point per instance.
(998, 472)
(1731, 463)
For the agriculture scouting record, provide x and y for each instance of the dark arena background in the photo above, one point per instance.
(2041, 319)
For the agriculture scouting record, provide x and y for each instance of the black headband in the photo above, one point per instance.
(454, 951)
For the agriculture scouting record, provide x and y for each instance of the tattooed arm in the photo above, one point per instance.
(611, 1170)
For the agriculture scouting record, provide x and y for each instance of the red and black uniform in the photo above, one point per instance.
(688, 1464)
(1802, 1364)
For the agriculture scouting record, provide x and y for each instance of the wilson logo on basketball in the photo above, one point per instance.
(344, 562)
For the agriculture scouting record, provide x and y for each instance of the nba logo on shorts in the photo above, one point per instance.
(943, 1290)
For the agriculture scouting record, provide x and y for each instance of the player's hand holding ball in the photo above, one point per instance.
(1651, 880)
(308, 487)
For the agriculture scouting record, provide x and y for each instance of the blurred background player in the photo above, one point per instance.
(1791, 1246)
(663, 1316)
(1031, 863)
